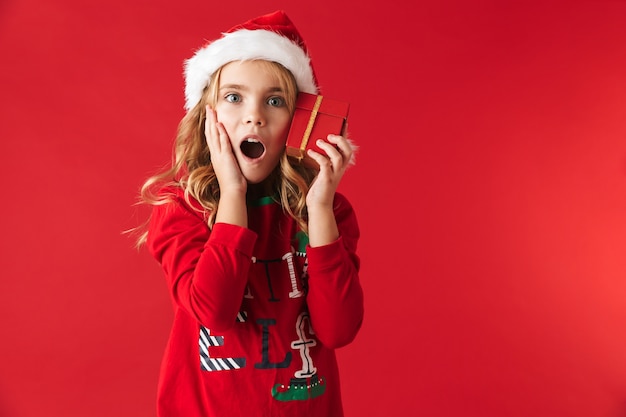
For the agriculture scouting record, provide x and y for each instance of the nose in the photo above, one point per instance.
(255, 115)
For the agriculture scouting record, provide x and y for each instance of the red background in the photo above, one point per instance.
(490, 187)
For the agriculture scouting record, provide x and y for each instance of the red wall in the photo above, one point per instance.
(490, 187)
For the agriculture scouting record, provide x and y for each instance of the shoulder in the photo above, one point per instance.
(341, 204)
(175, 210)
(345, 215)
(176, 217)
(174, 198)
(341, 200)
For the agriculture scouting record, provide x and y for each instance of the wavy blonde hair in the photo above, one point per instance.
(192, 171)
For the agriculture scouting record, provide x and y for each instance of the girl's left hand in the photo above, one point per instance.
(339, 154)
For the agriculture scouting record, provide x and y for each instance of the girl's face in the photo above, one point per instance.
(252, 107)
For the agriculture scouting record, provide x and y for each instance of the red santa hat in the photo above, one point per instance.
(272, 37)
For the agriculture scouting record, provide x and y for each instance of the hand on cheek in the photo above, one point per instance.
(224, 163)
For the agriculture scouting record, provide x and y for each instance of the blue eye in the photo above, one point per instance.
(276, 101)
(233, 98)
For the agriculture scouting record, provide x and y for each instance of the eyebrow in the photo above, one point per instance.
(241, 87)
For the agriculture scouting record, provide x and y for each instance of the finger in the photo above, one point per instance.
(346, 147)
(327, 147)
(222, 135)
(343, 145)
(322, 161)
(210, 129)
(334, 153)
(219, 138)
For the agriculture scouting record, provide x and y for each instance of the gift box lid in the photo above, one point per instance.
(329, 106)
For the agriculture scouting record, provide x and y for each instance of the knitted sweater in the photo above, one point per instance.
(257, 312)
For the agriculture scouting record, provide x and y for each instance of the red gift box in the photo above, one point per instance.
(315, 117)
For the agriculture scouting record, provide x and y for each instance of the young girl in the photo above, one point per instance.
(259, 252)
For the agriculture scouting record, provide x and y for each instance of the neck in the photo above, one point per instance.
(256, 191)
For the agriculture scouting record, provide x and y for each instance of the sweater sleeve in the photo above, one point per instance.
(335, 296)
(206, 269)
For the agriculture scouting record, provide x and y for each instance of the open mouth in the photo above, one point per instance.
(252, 148)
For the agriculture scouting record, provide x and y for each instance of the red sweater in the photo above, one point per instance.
(257, 312)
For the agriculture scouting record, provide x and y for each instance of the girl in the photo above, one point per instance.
(259, 252)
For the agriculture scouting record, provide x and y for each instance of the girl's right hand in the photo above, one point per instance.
(224, 163)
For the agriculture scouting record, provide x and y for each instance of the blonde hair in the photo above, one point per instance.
(191, 168)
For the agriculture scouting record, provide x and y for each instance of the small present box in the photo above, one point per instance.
(315, 117)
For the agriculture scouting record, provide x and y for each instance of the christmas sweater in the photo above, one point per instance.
(257, 312)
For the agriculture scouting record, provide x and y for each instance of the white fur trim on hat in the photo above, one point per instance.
(242, 45)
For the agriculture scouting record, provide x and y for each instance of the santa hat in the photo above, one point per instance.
(271, 37)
